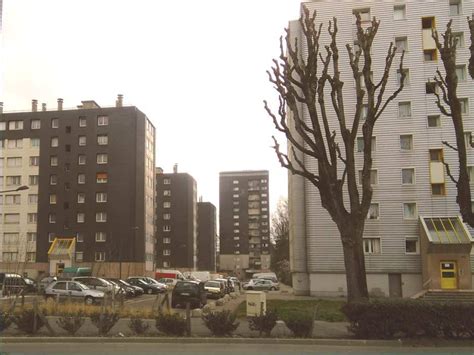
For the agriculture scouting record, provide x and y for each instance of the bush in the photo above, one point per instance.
(171, 324)
(71, 323)
(220, 323)
(24, 321)
(138, 326)
(301, 324)
(264, 323)
(104, 321)
(388, 319)
(5, 321)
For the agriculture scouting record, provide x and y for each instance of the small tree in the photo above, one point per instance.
(303, 77)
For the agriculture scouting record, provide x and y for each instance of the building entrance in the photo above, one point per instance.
(449, 278)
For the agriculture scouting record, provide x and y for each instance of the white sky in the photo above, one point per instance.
(196, 68)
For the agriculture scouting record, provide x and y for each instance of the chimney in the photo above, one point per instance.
(34, 105)
(1, 107)
(43, 106)
(175, 168)
(119, 101)
(60, 104)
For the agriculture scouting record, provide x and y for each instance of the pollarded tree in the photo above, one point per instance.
(449, 105)
(303, 81)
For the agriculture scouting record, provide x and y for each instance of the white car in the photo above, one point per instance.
(261, 285)
(74, 290)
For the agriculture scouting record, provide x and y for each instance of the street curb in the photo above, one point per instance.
(232, 340)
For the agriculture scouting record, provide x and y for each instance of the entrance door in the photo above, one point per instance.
(449, 278)
(395, 285)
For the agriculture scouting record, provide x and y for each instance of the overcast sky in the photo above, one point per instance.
(195, 68)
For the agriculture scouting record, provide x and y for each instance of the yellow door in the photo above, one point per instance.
(449, 278)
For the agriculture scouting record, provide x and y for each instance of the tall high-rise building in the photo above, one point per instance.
(244, 221)
(176, 220)
(207, 234)
(414, 238)
(90, 173)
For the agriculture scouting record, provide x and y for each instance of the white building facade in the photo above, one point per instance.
(412, 193)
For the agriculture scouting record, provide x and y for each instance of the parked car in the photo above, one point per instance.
(138, 291)
(189, 291)
(148, 288)
(128, 291)
(236, 281)
(97, 283)
(223, 282)
(11, 283)
(45, 281)
(228, 284)
(261, 285)
(215, 289)
(168, 281)
(31, 285)
(153, 281)
(73, 289)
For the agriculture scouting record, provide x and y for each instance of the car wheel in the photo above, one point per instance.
(89, 300)
(149, 291)
(272, 289)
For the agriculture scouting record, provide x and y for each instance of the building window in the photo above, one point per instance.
(455, 7)
(15, 125)
(52, 218)
(81, 178)
(468, 139)
(79, 256)
(431, 87)
(81, 217)
(406, 81)
(412, 245)
(363, 13)
(10, 256)
(12, 200)
(166, 240)
(3, 126)
(430, 55)
(360, 145)
(101, 197)
(102, 120)
(434, 121)
(166, 264)
(102, 158)
(82, 140)
(166, 228)
(373, 211)
(31, 237)
(438, 189)
(404, 109)
(102, 139)
(81, 197)
(54, 142)
(53, 160)
(100, 256)
(166, 192)
(461, 72)
(408, 176)
(459, 38)
(167, 216)
(34, 161)
(54, 122)
(410, 210)
(399, 12)
(33, 180)
(235, 196)
(464, 106)
(373, 177)
(470, 173)
(166, 204)
(101, 217)
(53, 179)
(51, 237)
(15, 143)
(100, 236)
(13, 180)
(101, 178)
(35, 124)
(372, 246)
(235, 182)
(436, 155)
(32, 199)
(82, 122)
(406, 142)
(52, 199)
(166, 181)
(80, 237)
(14, 162)
(32, 218)
(166, 252)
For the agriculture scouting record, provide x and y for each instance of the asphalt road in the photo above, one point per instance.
(195, 349)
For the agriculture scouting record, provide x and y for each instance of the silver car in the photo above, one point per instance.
(73, 290)
(98, 283)
(261, 285)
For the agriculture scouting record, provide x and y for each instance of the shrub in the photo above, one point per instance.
(104, 321)
(71, 323)
(171, 324)
(137, 325)
(24, 321)
(220, 323)
(301, 324)
(5, 321)
(264, 323)
(387, 319)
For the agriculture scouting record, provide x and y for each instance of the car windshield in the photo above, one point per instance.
(81, 285)
(185, 286)
(213, 284)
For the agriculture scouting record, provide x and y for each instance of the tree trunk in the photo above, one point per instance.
(352, 244)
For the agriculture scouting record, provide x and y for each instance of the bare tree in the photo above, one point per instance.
(449, 105)
(280, 231)
(303, 82)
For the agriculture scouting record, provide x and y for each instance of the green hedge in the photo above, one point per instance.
(388, 319)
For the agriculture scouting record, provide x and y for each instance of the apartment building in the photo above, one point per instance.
(414, 238)
(90, 173)
(244, 221)
(207, 235)
(176, 220)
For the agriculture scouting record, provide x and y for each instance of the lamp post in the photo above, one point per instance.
(20, 188)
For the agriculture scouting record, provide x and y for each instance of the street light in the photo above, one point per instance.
(20, 188)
